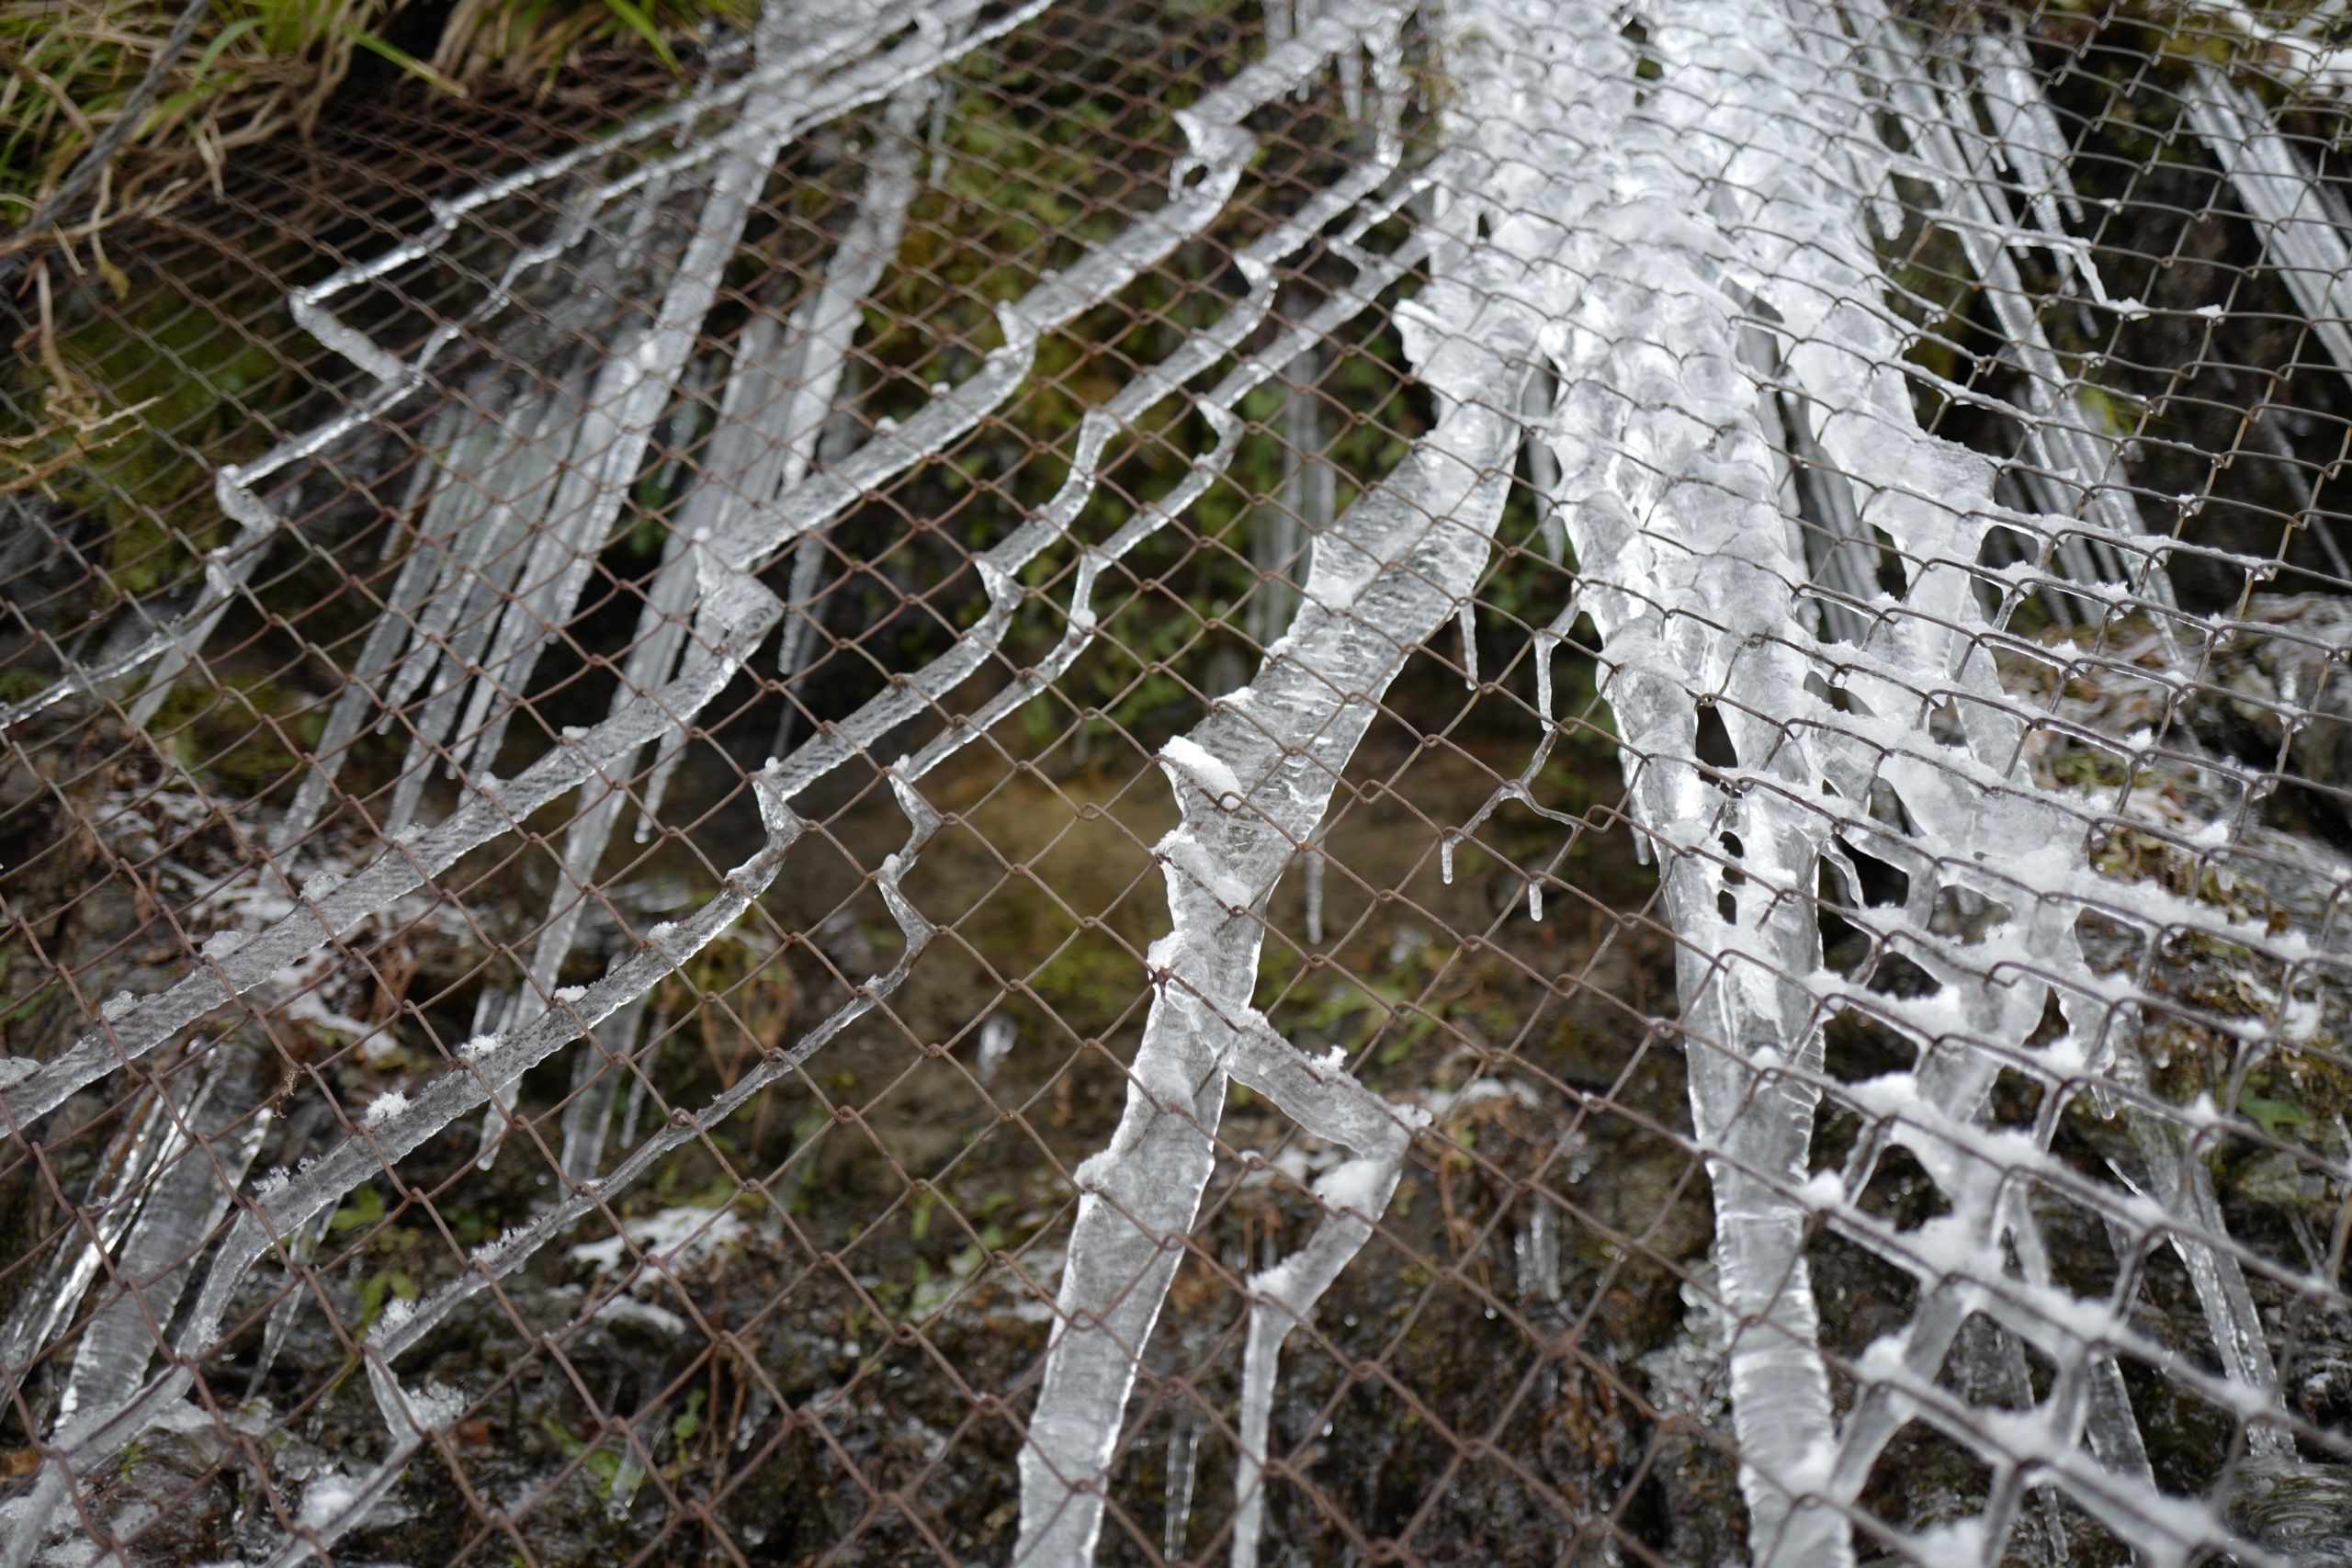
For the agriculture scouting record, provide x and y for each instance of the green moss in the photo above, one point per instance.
(170, 386)
(241, 734)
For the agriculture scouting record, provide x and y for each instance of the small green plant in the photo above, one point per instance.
(2271, 1115)
(689, 1421)
(604, 1466)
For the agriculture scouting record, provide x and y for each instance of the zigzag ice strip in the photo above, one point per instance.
(517, 1247)
(499, 1062)
(484, 813)
(862, 78)
(330, 907)
(771, 413)
(390, 1135)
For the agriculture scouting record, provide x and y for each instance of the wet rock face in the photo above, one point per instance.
(2302, 1511)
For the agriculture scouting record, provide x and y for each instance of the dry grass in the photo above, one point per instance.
(254, 70)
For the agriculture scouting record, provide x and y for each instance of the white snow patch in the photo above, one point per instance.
(1207, 773)
(645, 1314)
(327, 1498)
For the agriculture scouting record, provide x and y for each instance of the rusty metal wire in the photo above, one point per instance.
(1182, 783)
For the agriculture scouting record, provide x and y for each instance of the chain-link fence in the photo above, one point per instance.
(1322, 783)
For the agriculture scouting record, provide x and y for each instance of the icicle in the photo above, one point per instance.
(596, 1077)
(148, 1136)
(631, 389)
(483, 815)
(1467, 622)
(837, 73)
(1542, 470)
(1536, 1249)
(299, 1248)
(216, 1136)
(637, 722)
(1280, 531)
(1220, 864)
(412, 588)
(2035, 146)
(1314, 894)
(1183, 1468)
(779, 403)
(488, 515)
(2064, 455)
(2178, 1179)
(2300, 220)
(997, 1039)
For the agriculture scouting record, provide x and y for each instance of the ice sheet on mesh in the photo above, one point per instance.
(738, 612)
(1593, 285)
(1718, 192)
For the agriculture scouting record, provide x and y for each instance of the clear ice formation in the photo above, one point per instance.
(2302, 219)
(734, 614)
(1650, 277)
(1716, 204)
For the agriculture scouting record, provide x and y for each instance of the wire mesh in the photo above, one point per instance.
(1293, 784)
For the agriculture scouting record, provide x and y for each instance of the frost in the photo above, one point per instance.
(643, 1315)
(674, 1238)
(384, 1107)
(438, 1405)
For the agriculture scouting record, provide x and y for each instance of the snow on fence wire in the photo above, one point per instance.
(1092, 781)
